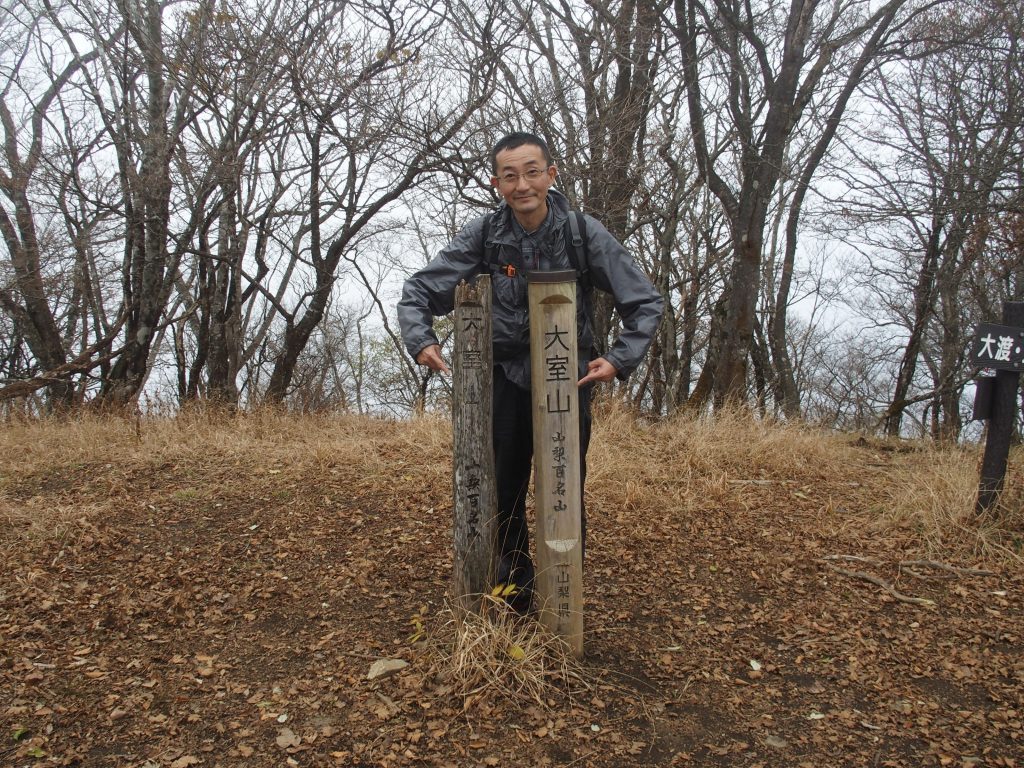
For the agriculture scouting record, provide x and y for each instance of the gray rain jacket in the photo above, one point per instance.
(430, 292)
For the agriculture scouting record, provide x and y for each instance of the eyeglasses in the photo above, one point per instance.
(510, 179)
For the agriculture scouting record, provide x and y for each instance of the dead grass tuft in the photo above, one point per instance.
(38, 445)
(690, 461)
(933, 495)
(55, 474)
(97, 463)
(499, 655)
(736, 442)
(40, 519)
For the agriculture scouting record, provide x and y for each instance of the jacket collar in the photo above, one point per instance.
(501, 219)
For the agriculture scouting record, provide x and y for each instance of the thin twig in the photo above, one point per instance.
(927, 576)
(853, 558)
(883, 584)
(950, 568)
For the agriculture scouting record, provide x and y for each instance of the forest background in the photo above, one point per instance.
(217, 201)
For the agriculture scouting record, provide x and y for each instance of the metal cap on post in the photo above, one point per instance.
(556, 451)
(556, 276)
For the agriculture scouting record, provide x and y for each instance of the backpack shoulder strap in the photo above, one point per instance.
(576, 239)
(490, 249)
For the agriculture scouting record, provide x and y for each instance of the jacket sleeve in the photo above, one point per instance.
(638, 302)
(430, 292)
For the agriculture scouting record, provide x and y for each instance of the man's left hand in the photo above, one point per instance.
(598, 370)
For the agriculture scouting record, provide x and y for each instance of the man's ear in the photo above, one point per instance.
(494, 181)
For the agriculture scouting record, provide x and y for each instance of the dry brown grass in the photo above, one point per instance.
(36, 446)
(58, 476)
(932, 495)
(39, 519)
(688, 461)
(498, 655)
(103, 437)
(682, 464)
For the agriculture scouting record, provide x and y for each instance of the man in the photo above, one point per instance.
(527, 232)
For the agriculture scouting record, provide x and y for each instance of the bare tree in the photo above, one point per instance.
(230, 166)
(236, 153)
(582, 77)
(950, 152)
(849, 376)
(685, 235)
(370, 133)
(26, 99)
(767, 68)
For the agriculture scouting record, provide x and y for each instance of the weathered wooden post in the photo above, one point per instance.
(556, 454)
(473, 460)
(1000, 347)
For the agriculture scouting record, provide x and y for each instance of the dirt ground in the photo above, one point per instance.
(213, 604)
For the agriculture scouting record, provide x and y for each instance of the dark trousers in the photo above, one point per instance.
(513, 454)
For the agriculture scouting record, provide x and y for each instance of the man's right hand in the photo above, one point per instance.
(431, 357)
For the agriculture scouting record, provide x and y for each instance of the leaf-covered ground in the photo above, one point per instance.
(213, 593)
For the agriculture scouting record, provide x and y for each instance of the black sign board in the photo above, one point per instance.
(998, 346)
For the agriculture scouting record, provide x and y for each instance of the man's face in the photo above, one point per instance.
(523, 178)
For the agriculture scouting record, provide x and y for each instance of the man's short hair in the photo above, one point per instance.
(515, 140)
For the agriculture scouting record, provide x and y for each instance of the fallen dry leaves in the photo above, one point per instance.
(215, 593)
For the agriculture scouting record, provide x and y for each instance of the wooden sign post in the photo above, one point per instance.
(1000, 347)
(556, 454)
(473, 461)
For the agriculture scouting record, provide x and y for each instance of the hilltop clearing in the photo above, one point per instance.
(213, 592)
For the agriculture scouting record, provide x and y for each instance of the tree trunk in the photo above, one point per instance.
(730, 375)
(225, 293)
(39, 327)
(148, 214)
(702, 390)
(924, 291)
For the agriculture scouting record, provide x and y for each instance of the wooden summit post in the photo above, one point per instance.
(473, 460)
(556, 454)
